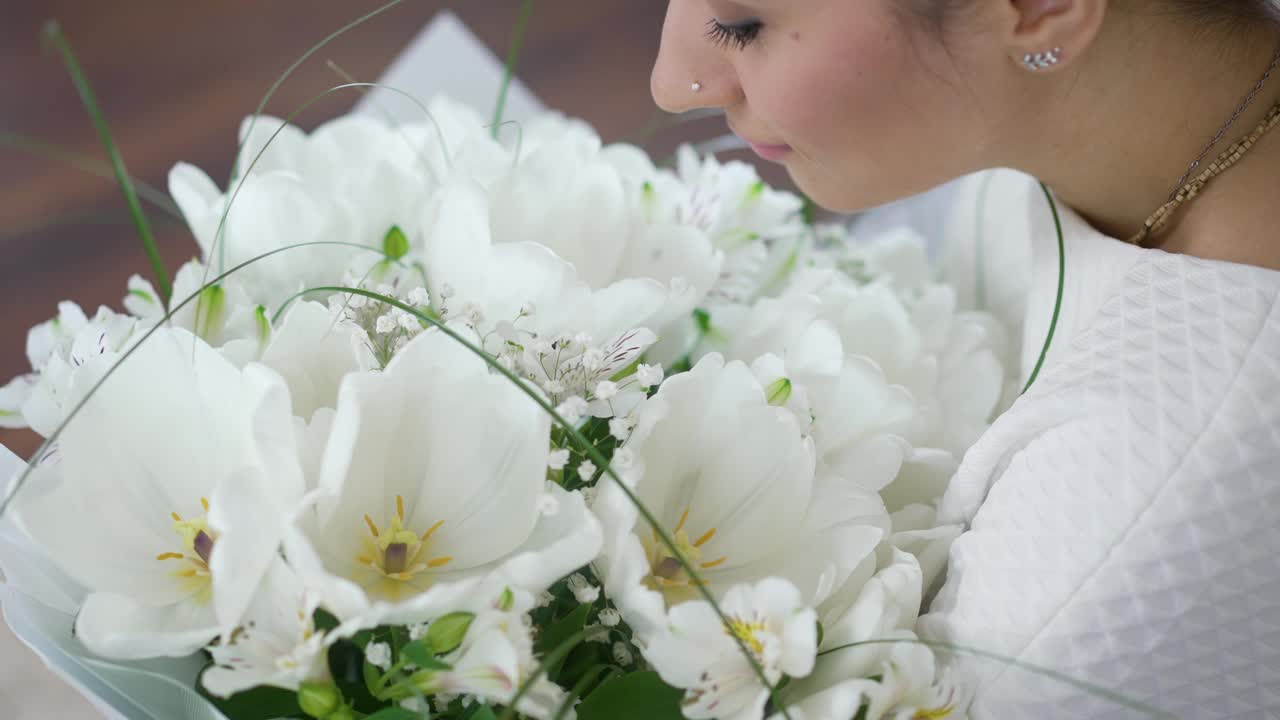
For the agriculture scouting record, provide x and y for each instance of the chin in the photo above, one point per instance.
(853, 194)
(839, 197)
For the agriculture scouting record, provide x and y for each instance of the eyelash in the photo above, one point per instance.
(738, 36)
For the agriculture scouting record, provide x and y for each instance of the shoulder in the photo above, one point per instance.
(1180, 353)
(1129, 496)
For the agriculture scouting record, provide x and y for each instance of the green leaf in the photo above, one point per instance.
(263, 703)
(419, 653)
(557, 634)
(394, 713)
(638, 696)
(482, 712)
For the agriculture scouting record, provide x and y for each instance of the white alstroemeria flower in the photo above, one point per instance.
(54, 338)
(60, 350)
(12, 397)
(313, 351)
(732, 480)
(278, 644)
(702, 655)
(494, 659)
(49, 344)
(393, 535)
(167, 496)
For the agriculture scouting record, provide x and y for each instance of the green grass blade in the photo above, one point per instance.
(217, 248)
(90, 218)
(275, 86)
(54, 36)
(513, 57)
(49, 151)
(1109, 695)
(1062, 283)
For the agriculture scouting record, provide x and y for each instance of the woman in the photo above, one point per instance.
(1122, 515)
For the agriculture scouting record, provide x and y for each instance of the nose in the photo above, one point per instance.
(691, 73)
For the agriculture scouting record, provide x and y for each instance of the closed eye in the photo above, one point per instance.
(736, 35)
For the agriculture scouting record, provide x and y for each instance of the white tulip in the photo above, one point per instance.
(167, 496)
(731, 479)
(433, 480)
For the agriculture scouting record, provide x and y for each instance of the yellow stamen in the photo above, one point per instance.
(364, 560)
(706, 537)
(372, 528)
(427, 535)
(176, 517)
(189, 572)
(205, 504)
(714, 563)
(683, 517)
(170, 556)
(400, 508)
(434, 563)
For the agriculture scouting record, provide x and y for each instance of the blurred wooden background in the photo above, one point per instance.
(174, 80)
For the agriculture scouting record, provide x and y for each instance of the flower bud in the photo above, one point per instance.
(319, 699)
(778, 392)
(446, 634)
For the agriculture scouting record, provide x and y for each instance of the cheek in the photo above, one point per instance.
(857, 104)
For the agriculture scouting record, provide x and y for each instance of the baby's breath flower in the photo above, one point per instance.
(558, 459)
(418, 296)
(649, 375)
(606, 390)
(573, 409)
(379, 655)
(620, 428)
(587, 470)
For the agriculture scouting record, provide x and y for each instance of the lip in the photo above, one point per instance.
(773, 153)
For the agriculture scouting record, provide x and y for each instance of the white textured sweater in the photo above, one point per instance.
(1124, 516)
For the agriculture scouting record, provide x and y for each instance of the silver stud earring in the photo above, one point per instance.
(1042, 61)
(697, 87)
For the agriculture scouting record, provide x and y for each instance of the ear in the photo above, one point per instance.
(1046, 35)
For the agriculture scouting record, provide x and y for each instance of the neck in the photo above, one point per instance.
(1117, 166)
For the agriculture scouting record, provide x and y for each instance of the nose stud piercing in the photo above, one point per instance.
(697, 87)
(1042, 61)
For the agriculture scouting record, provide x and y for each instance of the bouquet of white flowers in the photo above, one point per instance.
(442, 425)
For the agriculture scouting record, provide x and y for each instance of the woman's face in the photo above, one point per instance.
(860, 99)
